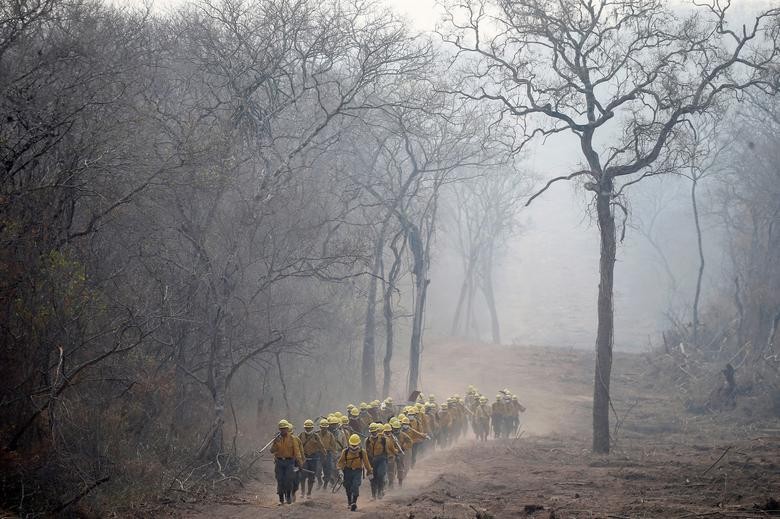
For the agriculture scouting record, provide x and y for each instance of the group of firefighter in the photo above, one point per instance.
(382, 440)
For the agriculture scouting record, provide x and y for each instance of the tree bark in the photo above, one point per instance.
(392, 277)
(368, 372)
(605, 332)
(465, 288)
(487, 290)
(695, 330)
(420, 287)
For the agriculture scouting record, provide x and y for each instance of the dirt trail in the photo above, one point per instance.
(664, 464)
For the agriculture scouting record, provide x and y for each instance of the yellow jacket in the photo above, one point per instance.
(311, 443)
(287, 447)
(329, 441)
(416, 436)
(380, 446)
(405, 441)
(482, 412)
(354, 459)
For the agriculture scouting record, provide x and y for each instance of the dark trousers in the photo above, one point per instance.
(379, 463)
(352, 480)
(328, 468)
(312, 461)
(497, 425)
(284, 470)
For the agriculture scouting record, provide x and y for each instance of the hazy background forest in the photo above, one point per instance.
(219, 212)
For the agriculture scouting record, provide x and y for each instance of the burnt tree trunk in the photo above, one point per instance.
(490, 298)
(419, 271)
(389, 287)
(368, 372)
(605, 329)
(700, 273)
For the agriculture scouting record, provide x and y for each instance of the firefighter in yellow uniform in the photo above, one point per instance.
(445, 426)
(405, 444)
(353, 461)
(481, 420)
(379, 449)
(313, 451)
(331, 451)
(298, 464)
(497, 416)
(286, 452)
(355, 423)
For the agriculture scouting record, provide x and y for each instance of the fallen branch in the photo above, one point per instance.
(717, 461)
(81, 494)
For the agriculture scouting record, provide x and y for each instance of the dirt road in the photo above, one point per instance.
(664, 464)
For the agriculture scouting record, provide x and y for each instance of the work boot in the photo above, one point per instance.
(353, 507)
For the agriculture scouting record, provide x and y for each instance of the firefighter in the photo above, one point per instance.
(392, 459)
(286, 452)
(355, 423)
(298, 465)
(313, 452)
(346, 432)
(497, 416)
(374, 410)
(353, 461)
(379, 448)
(481, 420)
(405, 449)
(365, 417)
(445, 426)
(331, 451)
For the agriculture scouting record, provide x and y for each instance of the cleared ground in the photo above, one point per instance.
(664, 464)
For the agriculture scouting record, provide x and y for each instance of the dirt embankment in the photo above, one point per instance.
(664, 464)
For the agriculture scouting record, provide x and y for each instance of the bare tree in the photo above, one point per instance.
(484, 208)
(621, 77)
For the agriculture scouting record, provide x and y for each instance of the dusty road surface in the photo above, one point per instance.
(665, 464)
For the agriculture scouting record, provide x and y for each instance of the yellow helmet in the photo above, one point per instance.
(284, 424)
(483, 400)
(338, 414)
(431, 398)
(395, 425)
(401, 416)
(363, 406)
(344, 420)
(405, 420)
(443, 407)
(354, 440)
(354, 412)
(387, 428)
(420, 406)
(324, 422)
(333, 420)
(412, 411)
(308, 423)
(350, 406)
(374, 427)
(375, 403)
(330, 415)
(388, 400)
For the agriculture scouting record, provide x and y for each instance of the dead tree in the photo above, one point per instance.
(631, 71)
